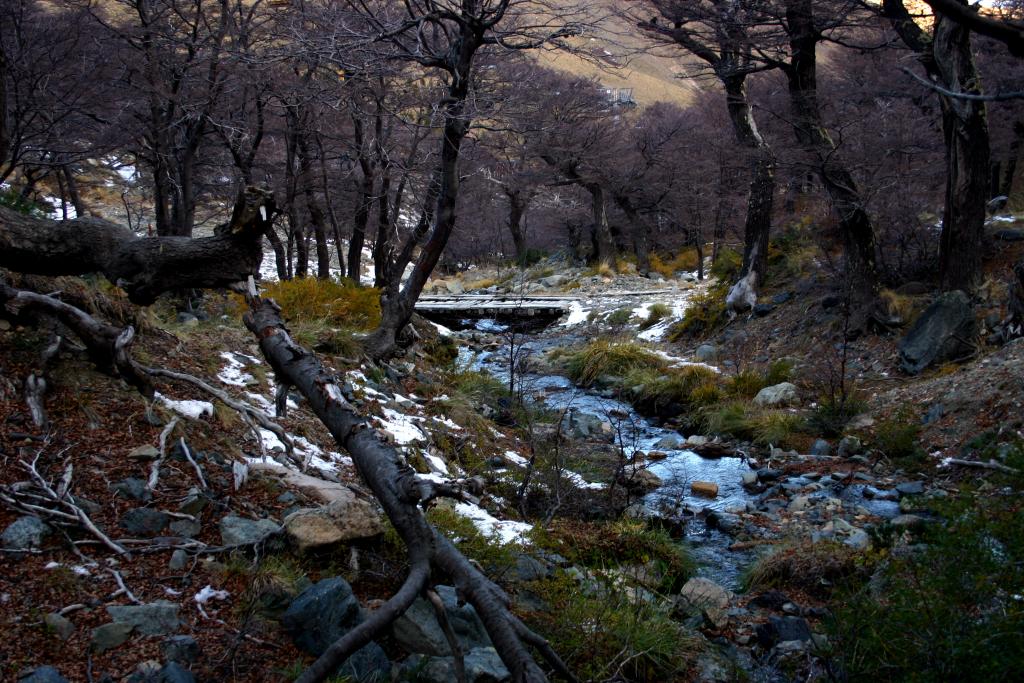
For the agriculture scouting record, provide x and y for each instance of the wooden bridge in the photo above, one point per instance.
(529, 310)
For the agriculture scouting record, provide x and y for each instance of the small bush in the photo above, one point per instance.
(897, 437)
(603, 357)
(604, 633)
(779, 371)
(727, 266)
(777, 428)
(602, 269)
(655, 314)
(685, 260)
(947, 611)
(338, 303)
(728, 419)
(815, 568)
(745, 384)
(831, 416)
(473, 543)
(11, 198)
(705, 314)
(619, 317)
(671, 386)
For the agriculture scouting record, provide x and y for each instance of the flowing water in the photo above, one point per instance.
(677, 470)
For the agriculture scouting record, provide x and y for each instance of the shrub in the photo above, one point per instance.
(727, 266)
(603, 357)
(897, 437)
(947, 611)
(777, 427)
(11, 198)
(745, 384)
(728, 419)
(655, 314)
(472, 542)
(815, 568)
(779, 371)
(705, 314)
(685, 260)
(604, 633)
(671, 386)
(831, 416)
(619, 317)
(338, 303)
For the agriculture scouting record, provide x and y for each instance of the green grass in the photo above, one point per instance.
(655, 314)
(705, 314)
(603, 357)
(686, 387)
(897, 436)
(619, 317)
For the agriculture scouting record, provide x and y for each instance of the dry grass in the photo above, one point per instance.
(814, 568)
(685, 260)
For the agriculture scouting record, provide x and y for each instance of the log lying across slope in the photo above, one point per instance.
(145, 267)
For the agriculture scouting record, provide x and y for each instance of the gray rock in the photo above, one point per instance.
(144, 522)
(418, 630)
(707, 598)
(907, 521)
(669, 442)
(185, 528)
(849, 446)
(579, 425)
(910, 488)
(762, 310)
(821, 447)
(768, 474)
(748, 478)
(181, 649)
(782, 297)
(44, 674)
(554, 280)
(481, 665)
(144, 452)
(152, 672)
(133, 489)
(943, 332)
(153, 619)
(194, 502)
(529, 568)
(24, 533)
(726, 522)
(187, 319)
(323, 613)
(799, 503)
(706, 353)
(240, 531)
(59, 625)
(935, 413)
(178, 561)
(345, 519)
(777, 396)
(109, 636)
(780, 629)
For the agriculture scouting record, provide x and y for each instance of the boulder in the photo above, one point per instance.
(132, 488)
(343, 520)
(59, 625)
(144, 522)
(24, 533)
(781, 629)
(705, 489)
(43, 674)
(849, 446)
(579, 425)
(713, 450)
(181, 649)
(777, 396)
(153, 619)
(481, 665)
(669, 442)
(706, 597)
(323, 613)
(109, 636)
(418, 630)
(554, 280)
(706, 353)
(144, 452)
(943, 332)
(241, 531)
(821, 447)
(639, 479)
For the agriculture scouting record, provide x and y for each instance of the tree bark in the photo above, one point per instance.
(1013, 155)
(143, 267)
(518, 200)
(854, 222)
(965, 128)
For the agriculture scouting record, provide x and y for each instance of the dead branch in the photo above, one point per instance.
(195, 465)
(990, 465)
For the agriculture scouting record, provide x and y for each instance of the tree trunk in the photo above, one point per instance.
(603, 242)
(316, 213)
(758, 224)
(72, 187)
(143, 267)
(965, 129)
(1006, 184)
(854, 221)
(517, 203)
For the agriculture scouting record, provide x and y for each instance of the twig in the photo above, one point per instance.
(977, 97)
(449, 634)
(154, 471)
(990, 465)
(124, 589)
(195, 465)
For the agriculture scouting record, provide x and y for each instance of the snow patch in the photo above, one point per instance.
(503, 531)
(190, 409)
(234, 372)
(577, 314)
(402, 427)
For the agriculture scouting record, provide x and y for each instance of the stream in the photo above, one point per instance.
(709, 547)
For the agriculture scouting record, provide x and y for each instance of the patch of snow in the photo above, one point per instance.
(678, 362)
(436, 463)
(260, 400)
(579, 482)
(1002, 219)
(206, 595)
(234, 372)
(189, 408)
(444, 331)
(577, 315)
(447, 422)
(402, 427)
(516, 459)
(503, 531)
